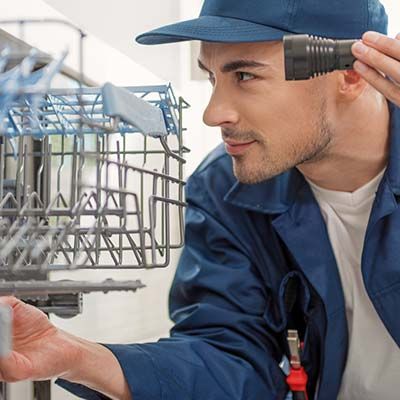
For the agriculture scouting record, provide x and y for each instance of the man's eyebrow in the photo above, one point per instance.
(242, 64)
(236, 65)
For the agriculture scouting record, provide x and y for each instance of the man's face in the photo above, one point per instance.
(268, 125)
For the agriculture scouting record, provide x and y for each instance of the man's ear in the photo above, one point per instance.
(350, 85)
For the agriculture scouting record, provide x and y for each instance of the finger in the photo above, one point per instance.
(377, 60)
(10, 301)
(382, 43)
(383, 85)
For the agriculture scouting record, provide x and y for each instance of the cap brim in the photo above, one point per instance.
(212, 29)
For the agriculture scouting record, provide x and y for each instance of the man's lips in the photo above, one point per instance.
(236, 148)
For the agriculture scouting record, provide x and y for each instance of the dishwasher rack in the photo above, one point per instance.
(92, 201)
(90, 178)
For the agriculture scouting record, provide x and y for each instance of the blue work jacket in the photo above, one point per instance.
(244, 243)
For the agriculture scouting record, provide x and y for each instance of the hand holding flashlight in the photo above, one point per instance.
(378, 62)
(375, 57)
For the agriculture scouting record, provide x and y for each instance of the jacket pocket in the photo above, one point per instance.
(293, 297)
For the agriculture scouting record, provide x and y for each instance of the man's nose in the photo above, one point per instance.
(221, 110)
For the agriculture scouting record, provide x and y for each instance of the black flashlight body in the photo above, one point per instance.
(309, 56)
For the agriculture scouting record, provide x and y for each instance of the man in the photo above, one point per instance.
(292, 245)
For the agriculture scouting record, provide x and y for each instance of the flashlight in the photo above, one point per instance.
(309, 56)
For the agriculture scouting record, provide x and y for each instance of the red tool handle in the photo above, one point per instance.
(297, 381)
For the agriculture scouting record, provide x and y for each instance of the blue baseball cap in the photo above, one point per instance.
(236, 21)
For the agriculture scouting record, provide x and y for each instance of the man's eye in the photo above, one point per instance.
(211, 79)
(244, 76)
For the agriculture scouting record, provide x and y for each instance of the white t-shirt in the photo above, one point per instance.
(373, 365)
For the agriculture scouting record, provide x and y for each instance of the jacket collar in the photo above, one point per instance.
(274, 196)
(277, 195)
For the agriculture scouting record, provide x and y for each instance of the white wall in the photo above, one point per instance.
(102, 62)
(393, 10)
(117, 23)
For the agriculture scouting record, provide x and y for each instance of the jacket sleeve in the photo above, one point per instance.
(221, 347)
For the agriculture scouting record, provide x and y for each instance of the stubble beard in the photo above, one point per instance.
(314, 150)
